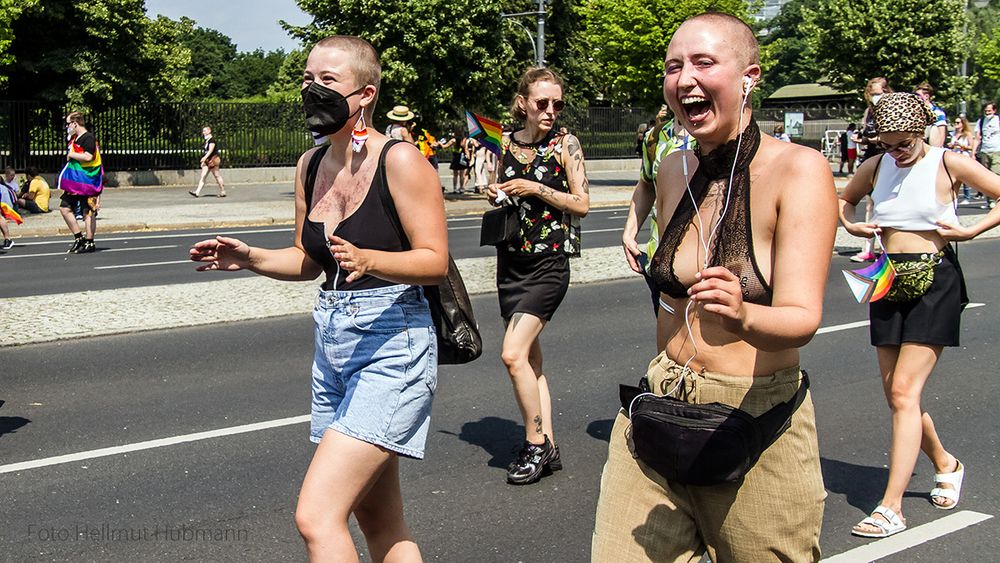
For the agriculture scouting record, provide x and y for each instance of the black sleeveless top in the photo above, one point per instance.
(732, 245)
(211, 141)
(368, 227)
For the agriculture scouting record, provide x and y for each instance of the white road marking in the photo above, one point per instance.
(144, 265)
(173, 235)
(859, 324)
(910, 538)
(148, 445)
(11, 256)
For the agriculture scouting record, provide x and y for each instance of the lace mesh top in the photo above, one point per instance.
(732, 245)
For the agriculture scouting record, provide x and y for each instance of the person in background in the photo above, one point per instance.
(848, 148)
(81, 181)
(375, 362)
(986, 144)
(8, 207)
(874, 90)
(936, 132)
(460, 162)
(914, 185)
(210, 162)
(484, 165)
(961, 142)
(779, 133)
(402, 120)
(544, 174)
(36, 193)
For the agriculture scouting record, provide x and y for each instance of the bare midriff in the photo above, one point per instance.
(907, 242)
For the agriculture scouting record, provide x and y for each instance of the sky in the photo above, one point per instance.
(251, 24)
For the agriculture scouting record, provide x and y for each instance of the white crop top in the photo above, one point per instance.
(906, 198)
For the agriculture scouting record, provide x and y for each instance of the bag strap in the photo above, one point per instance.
(386, 196)
(311, 171)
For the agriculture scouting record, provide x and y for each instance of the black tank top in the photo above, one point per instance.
(368, 227)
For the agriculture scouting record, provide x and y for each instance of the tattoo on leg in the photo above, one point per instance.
(538, 424)
(515, 319)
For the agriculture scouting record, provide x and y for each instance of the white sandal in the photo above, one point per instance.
(893, 524)
(955, 480)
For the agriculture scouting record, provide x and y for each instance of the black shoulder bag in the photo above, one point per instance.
(706, 444)
(458, 336)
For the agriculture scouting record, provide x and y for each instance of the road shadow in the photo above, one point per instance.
(861, 485)
(601, 429)
(498, 436)
(10, 424)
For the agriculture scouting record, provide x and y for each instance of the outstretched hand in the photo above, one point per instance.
(221, 253)
(718, 291)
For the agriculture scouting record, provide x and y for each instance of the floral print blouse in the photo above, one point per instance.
(543, 228)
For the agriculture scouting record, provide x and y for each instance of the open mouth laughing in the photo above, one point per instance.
(696, 108)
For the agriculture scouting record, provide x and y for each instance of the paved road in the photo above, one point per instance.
(82, 395)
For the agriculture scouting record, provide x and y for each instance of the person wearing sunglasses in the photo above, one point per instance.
(915, 187)
(543, 172)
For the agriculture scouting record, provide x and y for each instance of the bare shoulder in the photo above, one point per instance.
(402, 155)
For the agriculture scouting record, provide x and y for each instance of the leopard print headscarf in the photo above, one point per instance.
(902, 112)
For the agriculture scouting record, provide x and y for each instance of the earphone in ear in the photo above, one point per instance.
(747, 84)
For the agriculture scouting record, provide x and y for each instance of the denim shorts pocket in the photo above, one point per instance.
(388, 319)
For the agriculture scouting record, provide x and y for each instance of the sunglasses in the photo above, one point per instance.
(905, 146)
(543, 104)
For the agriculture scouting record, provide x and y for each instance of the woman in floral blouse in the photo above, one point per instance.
(543, 171)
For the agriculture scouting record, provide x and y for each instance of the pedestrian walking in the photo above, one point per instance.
(544, 174)
(82, 181)
(986, 146)
(375, 366)
(848, 148)
(746, 295)
(399, 129)
(484, 165)
(921, 314)
(210, 162)
(874, 90)
(961, 142)
(460, 162)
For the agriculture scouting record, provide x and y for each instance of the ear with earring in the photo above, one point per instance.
(360, 133)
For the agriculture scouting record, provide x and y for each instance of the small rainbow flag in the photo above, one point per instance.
(82, 178)
(9, 213)
(486, 131)
(872, 282)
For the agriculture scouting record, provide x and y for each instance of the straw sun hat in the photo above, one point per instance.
(400, 113)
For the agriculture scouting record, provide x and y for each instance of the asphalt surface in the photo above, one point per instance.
(94, 393)
(42, 267)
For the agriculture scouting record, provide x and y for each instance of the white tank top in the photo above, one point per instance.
(906, 198)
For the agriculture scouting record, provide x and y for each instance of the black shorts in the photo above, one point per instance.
(531, 283)
(934, 318)
(70, 201)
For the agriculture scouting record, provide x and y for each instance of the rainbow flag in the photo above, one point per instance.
(872, 282)
(82, 178)
(486, 131)
(9, 213)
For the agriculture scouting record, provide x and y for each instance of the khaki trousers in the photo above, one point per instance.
(773, 514)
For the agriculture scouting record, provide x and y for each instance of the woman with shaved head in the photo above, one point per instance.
(741, 264)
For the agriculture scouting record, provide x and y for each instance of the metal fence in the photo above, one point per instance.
(167, 136)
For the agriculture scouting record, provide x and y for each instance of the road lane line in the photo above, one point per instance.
(859, 324)
(168, 235)
(143, 265)
(911, 538)
(148, 445)
(8, 257)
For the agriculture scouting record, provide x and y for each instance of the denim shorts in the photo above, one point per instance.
(375, 368)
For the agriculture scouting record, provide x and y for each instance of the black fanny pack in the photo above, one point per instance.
(702, 444)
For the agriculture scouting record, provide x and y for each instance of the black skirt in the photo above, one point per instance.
(531, 283)
(934, 318)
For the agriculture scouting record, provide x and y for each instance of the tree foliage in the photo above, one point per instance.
(10, 10)
(854, 40)
(629, 38)
(785, 49)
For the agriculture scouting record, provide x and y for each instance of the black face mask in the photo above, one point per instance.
(327, 111)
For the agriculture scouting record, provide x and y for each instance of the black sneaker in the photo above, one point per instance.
(530, 463)
(76, 246)
(87, 247)
(554, 464)
(7, 244)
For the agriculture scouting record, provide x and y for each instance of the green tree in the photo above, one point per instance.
(785, 50)
(249, 74)
(287, 83)
(854, 40)
(628, 40)
(211, 52)
(440, 57)
(94, 54)
(10, 10)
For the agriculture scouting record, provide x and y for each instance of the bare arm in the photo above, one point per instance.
(575, 202)
(965, 170)
(643, 198)
(857, 188)
(211, 148)
(415, 192)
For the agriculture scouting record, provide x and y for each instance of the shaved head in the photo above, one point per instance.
(744, 42)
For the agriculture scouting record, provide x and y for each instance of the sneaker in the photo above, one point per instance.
(87, 247)
(555, 464)
(863, 257)
(530, 463)
(7, 244)
(76, 246)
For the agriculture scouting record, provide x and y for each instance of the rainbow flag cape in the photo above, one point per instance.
(82, 178)
(486, 131)
(871, 283)
(9, 213)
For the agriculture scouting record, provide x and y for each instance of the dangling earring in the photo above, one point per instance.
(360, 133)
